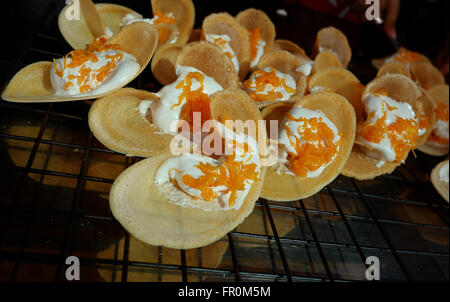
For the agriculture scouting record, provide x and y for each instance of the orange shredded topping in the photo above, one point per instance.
(262, 80)
(254, 35)
(196, 100)
(315, 148)
(406, 57)
(232, 174)
(403, 133)
(79, 57)
(163, 18)
(442, 113)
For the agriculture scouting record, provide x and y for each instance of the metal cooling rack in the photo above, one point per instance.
(55, 178)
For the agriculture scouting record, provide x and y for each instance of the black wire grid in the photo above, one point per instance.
(55, 178)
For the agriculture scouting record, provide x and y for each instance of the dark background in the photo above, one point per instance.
(422, 26)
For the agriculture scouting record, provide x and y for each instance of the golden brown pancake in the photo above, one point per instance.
(440, 185)
(32, 83)
(426, 75)
(183, 12)
(331, 38)
(393, 67)
(401, 89)
(252, 18)
(139, 206)
(225, 24)
(426, 107)
(285, 187)
(340, 81)
(440, 95)
(326, 59)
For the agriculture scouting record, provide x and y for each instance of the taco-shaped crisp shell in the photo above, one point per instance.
(225, 24)
(438, 183)
(293, 48)
(401, 89)
(252, 18)
(284, 62)
(393, 67)
(93, 22)
(233, 103)
(116, 122)
(326, 59)
(164, 63)
(415, 56)
(284, 187)
(331, 38)
(340, 81)
(426, 75)
(440, 95)
(137, 204)
(183, 12)
(32, 83)
(209, 59)
(426, 107)
(149, 216)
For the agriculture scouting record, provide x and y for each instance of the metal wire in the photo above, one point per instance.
(277, 245)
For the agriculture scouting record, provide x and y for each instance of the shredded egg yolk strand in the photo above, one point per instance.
(403, 133)
(231, 174)
(163, 18)
(442, 113)
(314, 149)
(255, 36)
(196, 100)
(265, 79)
(79, 57)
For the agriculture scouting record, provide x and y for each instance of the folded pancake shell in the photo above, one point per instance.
(399, 88)
(225, 24)
(32, 83)
(138, 205)
(340, 81)
(285, 187)
(183, 12)
(209, 59)
(333, 39)
(440, 185)
(116, 122)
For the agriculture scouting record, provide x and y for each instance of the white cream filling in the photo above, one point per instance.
(165, 114)
(443, 173)
(125, 70)
(294, 127)
(225, 47)
(378, 104)
(177, 167)
(306, 68)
